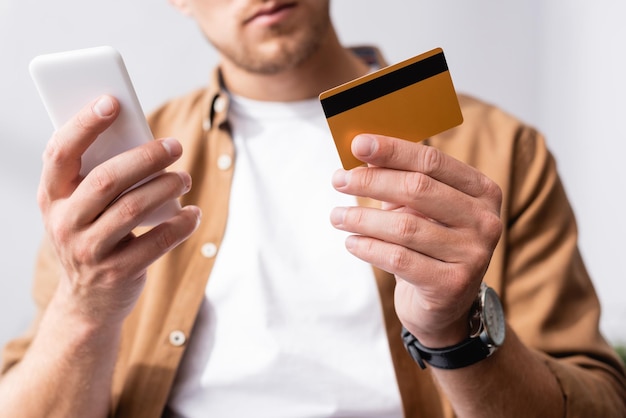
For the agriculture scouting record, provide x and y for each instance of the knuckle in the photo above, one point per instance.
(102, 180)
(492, 190)
(61, 232)
(480, 252)
(146, 156)
(493, 227)
(496, 192)
(177, 183)
(93, 250)
(477, 255)
(129, 207)
(487, 235)
(417, 184)
(82, 121)
(489, 226)
(365, 177)
(85, 254)
(432, 160)
(398, 259)
(79, 249)
(405, 227)
(54, 153)
(353, 216)
(395, 151)
(43, 199)
(165, 240)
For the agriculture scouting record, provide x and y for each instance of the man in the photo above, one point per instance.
(291, 324)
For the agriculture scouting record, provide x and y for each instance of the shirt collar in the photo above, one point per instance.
(218, 99)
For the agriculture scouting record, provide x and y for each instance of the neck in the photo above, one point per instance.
(330, 66)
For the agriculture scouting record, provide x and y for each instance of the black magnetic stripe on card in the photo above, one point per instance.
(385, 84)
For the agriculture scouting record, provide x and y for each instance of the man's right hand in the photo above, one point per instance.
(104, 264)
(91, 231)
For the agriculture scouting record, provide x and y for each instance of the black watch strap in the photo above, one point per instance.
(464, 354)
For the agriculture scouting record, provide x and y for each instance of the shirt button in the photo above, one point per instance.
(224, 162)
(177, 338)
(219, 104)
(209, 250)
(206, 124)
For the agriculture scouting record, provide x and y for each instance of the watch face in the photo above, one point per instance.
(493, 317)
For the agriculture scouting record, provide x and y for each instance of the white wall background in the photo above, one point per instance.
(558, 65)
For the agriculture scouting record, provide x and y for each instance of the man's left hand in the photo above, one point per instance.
(436, 231)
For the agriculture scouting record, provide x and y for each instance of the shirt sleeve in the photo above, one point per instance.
(548, 295)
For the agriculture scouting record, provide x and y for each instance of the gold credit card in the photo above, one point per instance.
(413, 100)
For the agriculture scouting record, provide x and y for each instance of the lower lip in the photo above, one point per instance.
(273, 18)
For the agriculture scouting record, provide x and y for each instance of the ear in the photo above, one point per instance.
(182, 6)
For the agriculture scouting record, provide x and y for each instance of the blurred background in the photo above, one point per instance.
(559, 66)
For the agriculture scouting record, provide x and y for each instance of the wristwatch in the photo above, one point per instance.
(487, 332)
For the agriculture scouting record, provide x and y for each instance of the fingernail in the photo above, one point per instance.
(337, 215)
(350, 242)
(104, 107)
(172, 146)
(340, 178)
(186, 179)
(198, 212)
(363, 146)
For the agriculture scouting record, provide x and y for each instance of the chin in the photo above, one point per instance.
(274, 59)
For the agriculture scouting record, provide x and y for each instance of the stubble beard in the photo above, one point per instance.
(287, 53)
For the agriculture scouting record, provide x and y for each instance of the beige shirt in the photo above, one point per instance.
(548, 297)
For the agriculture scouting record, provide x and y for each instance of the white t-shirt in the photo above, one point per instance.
(291, 325)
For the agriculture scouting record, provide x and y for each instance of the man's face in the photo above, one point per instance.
(263, 36)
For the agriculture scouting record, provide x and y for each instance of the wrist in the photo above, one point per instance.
(487, 333)
(452, 335)
(67, 318)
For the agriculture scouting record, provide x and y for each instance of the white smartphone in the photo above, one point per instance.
(67, 81)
